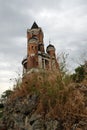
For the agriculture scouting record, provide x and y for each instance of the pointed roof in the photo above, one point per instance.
(34, 25)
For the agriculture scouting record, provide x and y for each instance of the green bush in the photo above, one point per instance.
(1, 105)
(1, 114)
(79, 74)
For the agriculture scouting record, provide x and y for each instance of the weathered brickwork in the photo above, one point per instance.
(36, 57)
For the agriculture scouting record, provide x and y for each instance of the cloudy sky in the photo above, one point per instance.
(64, 23)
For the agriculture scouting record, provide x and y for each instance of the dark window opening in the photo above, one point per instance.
(32, 47)
(42, 63)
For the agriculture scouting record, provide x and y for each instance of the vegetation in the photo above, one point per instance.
(1, 114)
(3, 99)
(79, 74)
(62, 58)
(59, 97)
(1, 109)
(1, 106)
(6, 94)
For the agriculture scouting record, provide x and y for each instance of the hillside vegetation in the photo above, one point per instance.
(47, 101)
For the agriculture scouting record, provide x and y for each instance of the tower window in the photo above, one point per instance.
(35, 47)
(32, 47)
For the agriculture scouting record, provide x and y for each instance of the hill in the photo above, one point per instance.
(47, 101)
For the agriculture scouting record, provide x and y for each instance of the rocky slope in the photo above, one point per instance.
(25, 111)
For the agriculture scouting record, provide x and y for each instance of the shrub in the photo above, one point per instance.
(1, 105)
(79, 74)
(58, 97)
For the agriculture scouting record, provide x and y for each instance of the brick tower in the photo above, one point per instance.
(34, 42)
(36, 57)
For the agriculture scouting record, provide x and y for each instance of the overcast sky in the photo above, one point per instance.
(64, 23)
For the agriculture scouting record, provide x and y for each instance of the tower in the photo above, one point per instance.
(51, 52)
(37, 58)
(34, 44)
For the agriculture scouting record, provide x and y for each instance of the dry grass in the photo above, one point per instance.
(58, 96)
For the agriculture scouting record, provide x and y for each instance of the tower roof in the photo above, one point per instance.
(50, 47)
(34, 25)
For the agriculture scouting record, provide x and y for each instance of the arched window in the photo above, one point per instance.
(32, 47)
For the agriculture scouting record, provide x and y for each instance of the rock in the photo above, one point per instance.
(20, 114)
(2, 126)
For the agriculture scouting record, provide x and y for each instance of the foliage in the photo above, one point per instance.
(79, 74)
(5, 95)
(58, 97)
(1, 110)
(1, 105)
(1, 114)
(62, 62)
